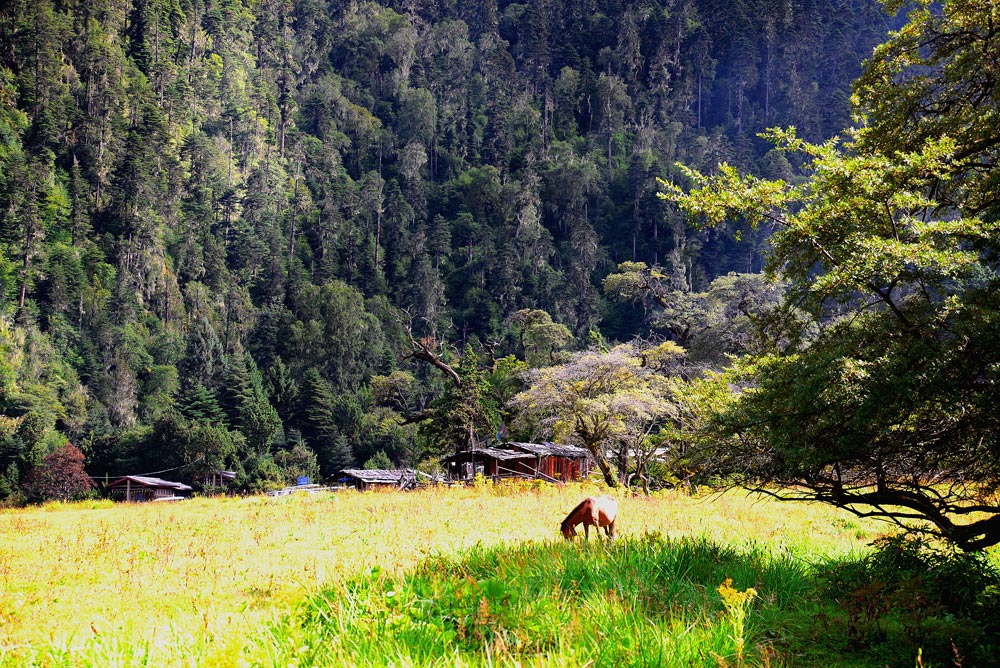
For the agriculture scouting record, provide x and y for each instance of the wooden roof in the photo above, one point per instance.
(547, 449)
(146, 481)
(380, 476)
(499, 454)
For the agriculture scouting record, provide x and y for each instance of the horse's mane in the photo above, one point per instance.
(573, 512)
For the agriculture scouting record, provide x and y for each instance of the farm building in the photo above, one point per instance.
(491, 462)
(556, 463)
(144, 488)
(560, 462)
(364, 479)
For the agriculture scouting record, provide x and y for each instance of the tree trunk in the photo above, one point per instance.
(602, 463)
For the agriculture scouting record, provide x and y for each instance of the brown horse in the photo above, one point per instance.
(598, 512)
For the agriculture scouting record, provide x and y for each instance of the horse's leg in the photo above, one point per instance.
(612, 532)
(594, 519)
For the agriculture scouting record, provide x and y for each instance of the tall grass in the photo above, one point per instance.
(646, 601)
(446, 577)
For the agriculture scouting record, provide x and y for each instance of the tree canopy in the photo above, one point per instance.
(885, 403)
(605, 401)
(212, 213)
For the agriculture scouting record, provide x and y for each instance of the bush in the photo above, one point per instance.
(920, 596)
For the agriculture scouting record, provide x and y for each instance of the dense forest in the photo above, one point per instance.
(252, 235)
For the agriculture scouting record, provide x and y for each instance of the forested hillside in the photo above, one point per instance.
(226, 226)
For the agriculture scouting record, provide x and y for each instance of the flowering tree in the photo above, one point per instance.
(608, 402)
(60, 476)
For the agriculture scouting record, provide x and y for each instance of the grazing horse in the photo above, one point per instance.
(598, 512)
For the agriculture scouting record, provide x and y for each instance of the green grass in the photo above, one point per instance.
(637, 602)
(643, 602)
(479, 578)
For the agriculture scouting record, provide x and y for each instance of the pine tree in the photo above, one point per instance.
(282, 389)
(463, 415)
(198, 404)
(247, 404)
(336, 456)
(315, 416)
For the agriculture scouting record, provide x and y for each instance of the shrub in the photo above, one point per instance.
(924, 596)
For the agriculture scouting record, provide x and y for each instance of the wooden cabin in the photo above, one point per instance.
(366, 479)
(490, 462)
(143, 488)
(556, 462)
(547, 461)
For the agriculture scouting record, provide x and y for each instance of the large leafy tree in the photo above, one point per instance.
(60, 476)
(723, 320)
(538, 337)
(607, 401)
(890, 246)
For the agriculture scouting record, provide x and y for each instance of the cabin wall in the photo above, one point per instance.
(561, 468)
(138, 493)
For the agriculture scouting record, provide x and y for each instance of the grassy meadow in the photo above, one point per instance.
(449, 577)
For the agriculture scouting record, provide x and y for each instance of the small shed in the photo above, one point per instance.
(145, 488)
(218, 480)
(365, 479)
(557, 462)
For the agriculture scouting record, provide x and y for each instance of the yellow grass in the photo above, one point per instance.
(212, 570)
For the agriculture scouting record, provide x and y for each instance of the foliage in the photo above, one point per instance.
(607, 402)
(198, 403)
(726, 319)
(198, 447)
(298, 461)
(934, 596)
(953, 45)
(378, 461)
(885, 408)
(463, 415)
(236, 194)
(539, 338)
(249, 407)
(58, 477)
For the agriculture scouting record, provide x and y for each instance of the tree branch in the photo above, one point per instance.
(426, 349)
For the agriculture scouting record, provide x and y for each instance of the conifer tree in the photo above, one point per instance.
(198, 404)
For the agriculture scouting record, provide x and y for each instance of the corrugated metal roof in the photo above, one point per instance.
(147, 481)
(547, 448)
